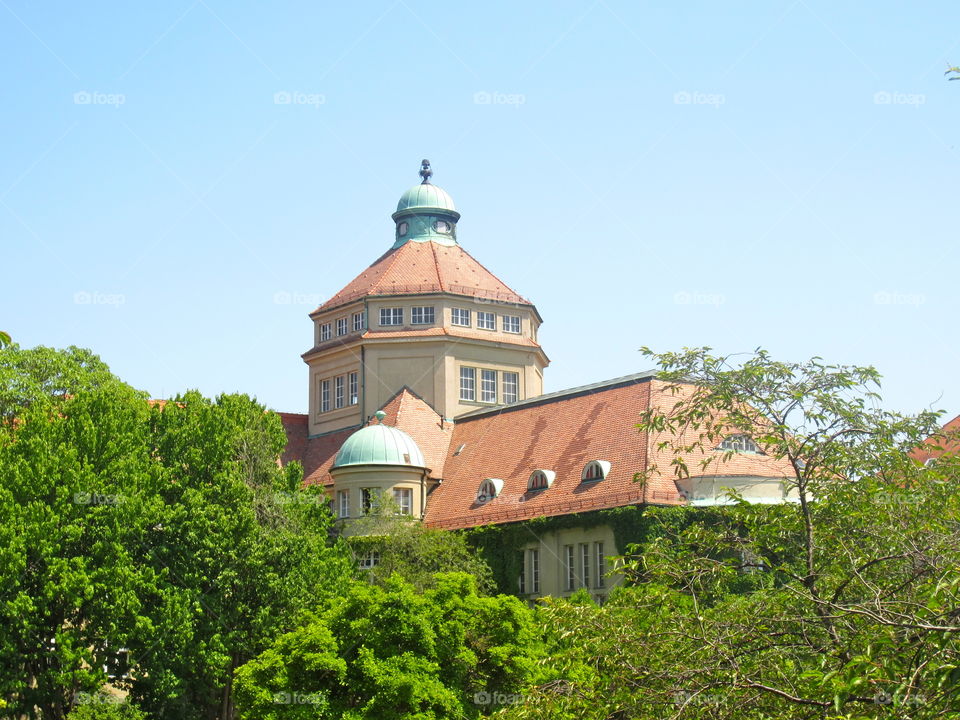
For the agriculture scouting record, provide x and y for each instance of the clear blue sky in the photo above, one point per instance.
(776, 174)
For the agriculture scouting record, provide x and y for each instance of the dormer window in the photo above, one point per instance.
(442, 226)
(595, 470)
(402, 229)
(489, 489)
(540, 479)
(740, 444)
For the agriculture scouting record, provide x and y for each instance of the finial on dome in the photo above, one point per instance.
(425, 172)
(380, 415)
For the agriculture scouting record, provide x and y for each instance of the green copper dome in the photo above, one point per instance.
(425, 195)
(425, 213)
(379, 445)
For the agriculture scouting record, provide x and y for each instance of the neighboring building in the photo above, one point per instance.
(944, 443)
(446, 356)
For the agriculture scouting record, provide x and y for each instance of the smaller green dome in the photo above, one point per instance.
(425, 195)
(379, 445)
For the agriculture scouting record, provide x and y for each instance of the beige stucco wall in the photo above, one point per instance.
(384, 478)
(553, 566)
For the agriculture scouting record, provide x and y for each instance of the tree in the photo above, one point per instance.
(843, 604)
(390, 653)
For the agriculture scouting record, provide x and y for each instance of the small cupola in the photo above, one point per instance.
(426, 213)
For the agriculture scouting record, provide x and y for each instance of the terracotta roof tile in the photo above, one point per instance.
(948, 440)
(409, 412)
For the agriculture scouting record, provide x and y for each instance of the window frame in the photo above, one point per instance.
(585, 562)
(750, 446)
(483, 316)
(570, 565)
(339, 393)
(401, 493)
(342, 326)
(601, 565)
(423, 315)
(534, 554)
(392, 314)
(503, 386)
(488, 386)
(343, 503)
(353, 388)
(457, 312)
(359, 320)
(326, 332)
(508, 328)
(325, 395)
(466, 370)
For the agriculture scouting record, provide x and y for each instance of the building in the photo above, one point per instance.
(426, 384)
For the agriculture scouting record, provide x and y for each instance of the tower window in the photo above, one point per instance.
(422, 316)
(368, 499)
(511, 323)
(511, 382)
(359, 320)
(338, 391)
(324, 332)
(461, 317)
(354, 389)
(739, 443)
(391, 316)
(486, 320)
(343, 503)
(488, 386)
(404, 499)
(442, 226)
(341, 326)
(402, 229)
(324, 395)
(468, 383)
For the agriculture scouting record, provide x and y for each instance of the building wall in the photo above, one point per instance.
(381, 478)
(552, 548)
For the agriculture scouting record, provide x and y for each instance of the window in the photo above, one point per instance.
(585, 563)
(324, 395)
(511, 383)
(534, 570)
(739, 443)
(404, 499)
(595, 470)
(486, 320)
(568, 561)
(522, 580)
(370, 560)
(343, 503)
(341, 326)
(354, 389)
(601, 564)
(461, 317)
(441, 226)
(368, 499)
(489, 489)
(391, 316)
(338, 391)
(488, 386)
(402, 229)
(511, 323)
(359, 320)
(468, 383)
(540, 479)
(422, 316)
(324, 332)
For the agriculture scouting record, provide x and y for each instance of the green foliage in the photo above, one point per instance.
(104, 707)
(387, 652)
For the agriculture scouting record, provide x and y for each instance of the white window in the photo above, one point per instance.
(354, 390)
(595, 470)
(488, 386)
(585, 560)
(422, 316)
(341, 326)
(338, 391)
(739, 443)
(343, 503)
(511, 383)
(460, 316)
(370, 560)
(534, 570)
(511, 323)
(324, 395)
(468, 383)
(569, 567)
(540, 479)
(391, 316)
(359, 320)
(404, 499)
(486, 320)
(324, 332)
(601, 564)
(489, 489)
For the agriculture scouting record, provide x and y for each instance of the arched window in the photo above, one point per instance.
(739, 443)
(489, 489)
(595, 470)
(540, 479)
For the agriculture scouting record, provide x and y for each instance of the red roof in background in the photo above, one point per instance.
(316, 454)
(409, 412)
(948, 440)
(416, 268)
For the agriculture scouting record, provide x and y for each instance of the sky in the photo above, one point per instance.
(181, 183)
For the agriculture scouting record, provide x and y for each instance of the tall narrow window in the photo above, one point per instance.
(404, 499)
(570, 567)
(511, 323)
(368, 499)
(511, 384)
(324, 332)
(324, 395)
(460, 316)
(343, 503)
(585, 563)
(486, 320)
(359, 320)
(534, 571)
(422, 316)
(391, 316)
(341, 326)
(338, 391)
(601, 569)
(522, 580)
(354, 389)
(488, 386)
(468, 383)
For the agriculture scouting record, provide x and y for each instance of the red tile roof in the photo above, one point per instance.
(409, 412)
(424, 267)
(315, 454)
(946, 442)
